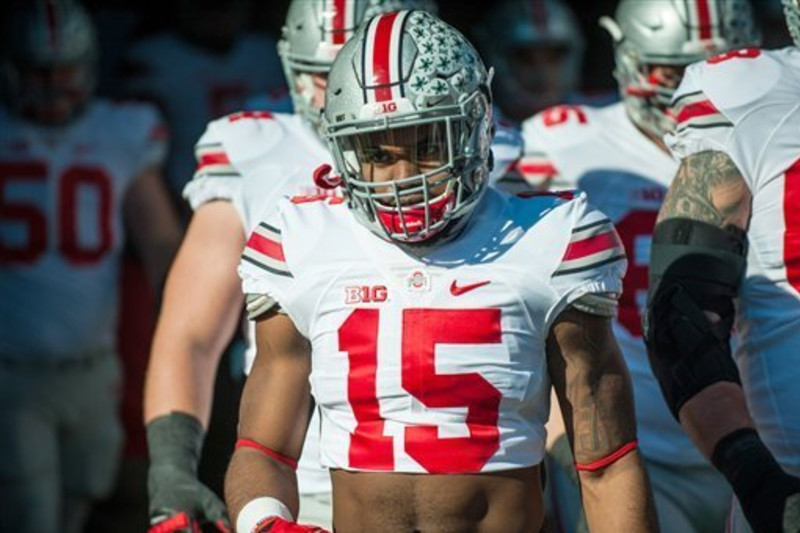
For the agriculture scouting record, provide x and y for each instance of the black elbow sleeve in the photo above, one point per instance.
(694, 267)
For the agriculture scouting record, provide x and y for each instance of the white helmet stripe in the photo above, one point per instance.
(382, 42)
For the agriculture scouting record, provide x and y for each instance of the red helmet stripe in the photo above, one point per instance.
(339, 18)
(539, 11)
(704, 22)
(382, 56)
(52, 27)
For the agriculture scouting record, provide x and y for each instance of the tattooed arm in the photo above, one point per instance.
(594, 392)
(695, 270)
(709, 188)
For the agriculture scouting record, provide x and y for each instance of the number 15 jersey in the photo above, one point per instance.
(433, 364)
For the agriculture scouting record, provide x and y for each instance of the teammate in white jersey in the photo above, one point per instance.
(428, 314)
(205, 69)
(726, 249)
(246, 162)
(616, 155)
(76, 173)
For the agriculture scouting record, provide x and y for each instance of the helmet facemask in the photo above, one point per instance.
(410, 183)
(647, 95)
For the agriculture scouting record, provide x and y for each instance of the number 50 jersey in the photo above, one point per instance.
(433, 364)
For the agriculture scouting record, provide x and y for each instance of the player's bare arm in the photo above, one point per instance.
(202, 301)
(152, 223)
(710, 188)
(195, 325)
(698, 261)
(274, 414)
(594, 390)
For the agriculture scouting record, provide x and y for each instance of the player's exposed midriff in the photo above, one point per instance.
(507, 501)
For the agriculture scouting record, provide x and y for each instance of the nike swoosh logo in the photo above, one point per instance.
(455, 290)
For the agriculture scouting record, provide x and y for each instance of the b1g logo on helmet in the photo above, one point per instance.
(366, 294)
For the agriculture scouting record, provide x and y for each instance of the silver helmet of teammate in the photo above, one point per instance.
(408, 79)
(315, 31)
(49, 57)
(671, 33)
(535, 48)
(791, 8)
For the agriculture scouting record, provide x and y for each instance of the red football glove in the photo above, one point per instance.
(277, 524)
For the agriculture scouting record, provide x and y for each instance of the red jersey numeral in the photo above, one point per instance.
(422, 330)
(743, 53)
(563, 113)
(791, 216)
(635, 226)
(34, 220)
(23, 213)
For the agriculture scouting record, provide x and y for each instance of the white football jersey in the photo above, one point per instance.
(626, 175)
(253, 159)
(433, 364)
(195, 86)
(61, 232)
(745, 104)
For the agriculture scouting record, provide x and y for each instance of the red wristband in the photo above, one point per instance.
(247, 443)
(610, 459)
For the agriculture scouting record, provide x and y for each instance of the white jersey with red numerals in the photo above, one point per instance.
(61, 228)
(626, 175)
(747, 104)
(253, 159)
(433, 365)
(195, 86)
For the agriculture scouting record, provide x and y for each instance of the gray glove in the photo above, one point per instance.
(178, 501)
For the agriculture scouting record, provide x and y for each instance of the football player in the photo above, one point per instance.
(246, 163)
(429, 313)
(78, 176)
(205, 68)
(616, 154)
(726, 249)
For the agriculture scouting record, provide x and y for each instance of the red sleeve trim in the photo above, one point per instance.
(247, 443)
(609, 459)
(703, 108)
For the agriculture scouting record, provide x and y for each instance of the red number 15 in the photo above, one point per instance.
(423, 329)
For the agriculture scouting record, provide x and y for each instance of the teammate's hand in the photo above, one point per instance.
(277, 524)
(179, 502)
(776, 507)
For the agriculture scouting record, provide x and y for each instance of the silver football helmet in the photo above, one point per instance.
(315, 31)
(49, 57)
(791, 8)
(410, 94)
(670, 33)
(536, 50)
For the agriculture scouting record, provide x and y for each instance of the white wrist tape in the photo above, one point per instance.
(257, 510)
